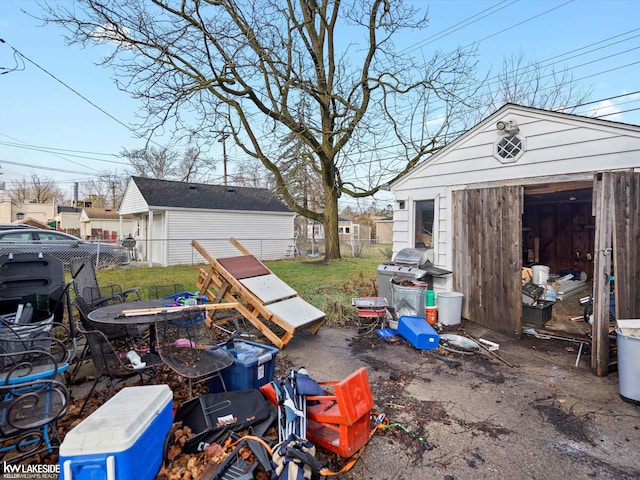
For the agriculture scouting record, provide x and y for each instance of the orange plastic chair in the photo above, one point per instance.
(351, 400)
(340, 420)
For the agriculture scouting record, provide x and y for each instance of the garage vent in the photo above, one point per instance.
(509, 148)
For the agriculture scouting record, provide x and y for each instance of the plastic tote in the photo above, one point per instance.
(628, 338)
(450, 307)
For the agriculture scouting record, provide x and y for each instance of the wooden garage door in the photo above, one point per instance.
(487, 255)
(616, 206)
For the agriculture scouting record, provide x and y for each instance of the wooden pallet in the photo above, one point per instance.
(262, 298)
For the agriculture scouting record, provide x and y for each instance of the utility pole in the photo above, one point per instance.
(223, 137)
(113, 195)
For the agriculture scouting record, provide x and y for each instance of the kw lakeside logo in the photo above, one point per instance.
(11, 471)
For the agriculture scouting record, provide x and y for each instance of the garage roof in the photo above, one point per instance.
(172, 194)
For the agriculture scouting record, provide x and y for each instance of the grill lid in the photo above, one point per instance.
(414, 256)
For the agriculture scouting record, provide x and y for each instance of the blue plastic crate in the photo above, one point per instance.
(418, 332)
(253, 365)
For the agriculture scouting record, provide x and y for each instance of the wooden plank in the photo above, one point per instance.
(296, 312)
(243, 267)
(268, 288)
(602, 267)
(208, 307)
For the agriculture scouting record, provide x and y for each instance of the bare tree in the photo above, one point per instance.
(153, 162)
(532, 84)
(36, 189)
(163, 163)
(104, 191)
(323, 71)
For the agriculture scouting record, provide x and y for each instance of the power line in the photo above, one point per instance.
(461, 24)
(58, 149)
(61, 170)
(67, 86)
(55, 150)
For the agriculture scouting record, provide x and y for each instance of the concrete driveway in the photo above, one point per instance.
(542, 418)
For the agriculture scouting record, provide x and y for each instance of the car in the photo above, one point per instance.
(60, 245)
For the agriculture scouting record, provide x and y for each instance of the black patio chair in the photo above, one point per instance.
(86, 285)
(185, 344)
(122, 338)
(109, 364)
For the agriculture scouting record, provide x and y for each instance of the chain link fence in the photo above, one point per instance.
(180, 251)
(101, 253)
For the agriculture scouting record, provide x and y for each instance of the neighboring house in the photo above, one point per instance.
(351, 232)
(348, 230)
(11, 211)
(384, 230)
(104, 224)
(528, 186)
(41, 215)
(168, 215)
(68, 219)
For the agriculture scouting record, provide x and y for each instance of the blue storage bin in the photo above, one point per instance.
(418, 332)
(253, 365)
(175, 298)
(123, 439)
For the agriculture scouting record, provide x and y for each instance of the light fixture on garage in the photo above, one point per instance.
(509, 127)
(572, 199)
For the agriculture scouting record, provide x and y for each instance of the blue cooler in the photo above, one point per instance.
(123, 439)
(253, 366)
(418, 332)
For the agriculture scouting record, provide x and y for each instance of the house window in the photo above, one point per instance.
(20, 216)
(424, 223)
(509, 148)
(344, 230)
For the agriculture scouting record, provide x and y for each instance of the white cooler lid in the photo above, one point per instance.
(116, 425)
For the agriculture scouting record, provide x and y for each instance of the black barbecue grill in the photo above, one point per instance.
(38, 275)
(409, 264)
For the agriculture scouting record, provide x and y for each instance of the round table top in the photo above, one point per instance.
(112, 314)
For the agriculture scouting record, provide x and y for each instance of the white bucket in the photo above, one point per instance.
(540, 274)
(449, 307)
(628, 341)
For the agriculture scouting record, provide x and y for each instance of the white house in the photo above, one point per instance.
(103, 223)
(523, 186)
(167, 215)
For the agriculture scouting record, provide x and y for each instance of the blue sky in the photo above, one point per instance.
(44, 124)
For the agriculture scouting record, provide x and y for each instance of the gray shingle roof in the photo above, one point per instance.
(168, 193)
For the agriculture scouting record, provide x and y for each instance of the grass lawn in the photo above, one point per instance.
(329, 287)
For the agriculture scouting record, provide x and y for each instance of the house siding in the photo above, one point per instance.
(265, 235)
(133, 201)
